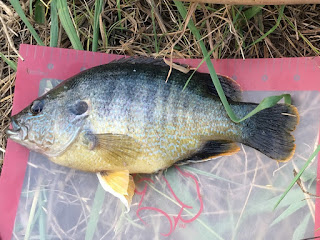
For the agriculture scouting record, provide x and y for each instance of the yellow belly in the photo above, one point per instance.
(151, 158)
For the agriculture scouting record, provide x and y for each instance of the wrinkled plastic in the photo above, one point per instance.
(226, 198)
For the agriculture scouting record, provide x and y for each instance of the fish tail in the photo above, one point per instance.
(270, 131)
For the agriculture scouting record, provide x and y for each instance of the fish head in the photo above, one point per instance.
(50, 123)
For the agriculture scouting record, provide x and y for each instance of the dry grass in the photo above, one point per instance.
(130, 30)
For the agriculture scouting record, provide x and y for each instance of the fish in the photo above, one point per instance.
(126, 117)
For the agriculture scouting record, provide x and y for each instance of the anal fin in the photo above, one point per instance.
(210, 150)
(120, 184)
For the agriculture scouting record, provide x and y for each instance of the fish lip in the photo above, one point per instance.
(15, 125)
(17, 135)
(17, 132)
(13, 134)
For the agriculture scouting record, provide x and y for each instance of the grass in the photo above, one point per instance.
(16, 5)
(68, 24)
(312, 157)
(133, 29)
(272, 29)
(265, 103)
(96, 29)
(10, 63)
(54, 28)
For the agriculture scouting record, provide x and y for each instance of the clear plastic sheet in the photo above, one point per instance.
(226, 198)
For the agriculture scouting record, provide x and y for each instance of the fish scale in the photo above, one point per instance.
(169, 125)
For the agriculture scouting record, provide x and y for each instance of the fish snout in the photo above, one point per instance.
(17, 132)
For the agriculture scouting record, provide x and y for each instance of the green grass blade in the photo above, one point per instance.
(94, 215)
(251, 12)
(300, 231)
(17, 7)
(289, 211)
(272, 29)
(30, 8)
(316, 50)
(12, 64)
(39, 13)
(110, 29)
(67, 24)
(207, 174)
(42, 219)
(32, 218)
(54, 29)
(119, 10)
(213, 74)
(199, 65)
(266, 103)
(154, 30)
(313, 155)
(96, 29)
(236, 16)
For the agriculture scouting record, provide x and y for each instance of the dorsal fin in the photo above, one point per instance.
(141, 60)
(230, 87)
(202, 82)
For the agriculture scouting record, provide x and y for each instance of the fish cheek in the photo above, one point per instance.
(62, 136)
(65, 125)
(48, 139)
(39, 135)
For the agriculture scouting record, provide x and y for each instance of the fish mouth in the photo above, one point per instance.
(17, 133)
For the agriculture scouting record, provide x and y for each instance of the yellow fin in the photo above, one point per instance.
(118, 181)
(114, 146)
(120, 184)
(130, 191)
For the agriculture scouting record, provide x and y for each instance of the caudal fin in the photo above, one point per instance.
(270, 131)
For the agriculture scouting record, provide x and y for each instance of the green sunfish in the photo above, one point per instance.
(124, 117)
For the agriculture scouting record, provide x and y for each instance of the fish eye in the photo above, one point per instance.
(37, 107)
(79, 108)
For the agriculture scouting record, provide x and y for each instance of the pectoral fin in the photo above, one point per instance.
(120, 184)
(117, 147)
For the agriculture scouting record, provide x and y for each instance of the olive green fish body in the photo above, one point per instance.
(125, 116)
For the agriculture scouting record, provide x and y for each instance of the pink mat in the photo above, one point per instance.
(290, 74)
